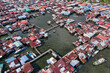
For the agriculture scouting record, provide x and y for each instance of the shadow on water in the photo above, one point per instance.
(41, 62)
(36, 67)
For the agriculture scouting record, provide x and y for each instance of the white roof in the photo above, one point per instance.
(82, 55)
(18, 70)
(62, 69)
(51, 60)
(74, 62)
(12, 64)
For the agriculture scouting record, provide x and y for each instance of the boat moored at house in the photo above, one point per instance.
(99, 61)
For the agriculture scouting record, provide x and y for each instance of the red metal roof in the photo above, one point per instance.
(25, 39)
(90, 15)
(72, 56)
(32, 38)
(101, 37)
(27, 68)
(69, 68)
(100, 22)
(56, 68)
(24, 21)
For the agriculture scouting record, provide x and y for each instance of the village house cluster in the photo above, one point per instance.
(15, 18)
(19, 64)
(90, 37)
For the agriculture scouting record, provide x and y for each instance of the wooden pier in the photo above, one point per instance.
(51, 28)
(37, 50)
(38, 27)
(48, 51)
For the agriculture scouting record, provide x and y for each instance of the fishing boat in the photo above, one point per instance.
(96, 52)
(100, 61)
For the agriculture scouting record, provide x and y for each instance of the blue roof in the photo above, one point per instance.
(24, 59)
(105, 6)
(102, 13)
(10, 59)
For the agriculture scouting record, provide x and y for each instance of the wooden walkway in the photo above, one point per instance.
(47, 29)
(48, 51)
(51, 28)
(38, 27)
(37, 50)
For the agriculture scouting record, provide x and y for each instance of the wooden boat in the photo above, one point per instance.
(100, 61)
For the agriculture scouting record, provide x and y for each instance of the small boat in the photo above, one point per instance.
(57, 22)
(34, 54)
(48, 11)
(49, 22)
(54, 31)
(42, 12)
(29, 53)
(37, 15)
(46, 35)
(18, 51)
(96, 52)
(100, 61)
(16, 55)
(70, 20)
(34, 15)
(61, 24)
